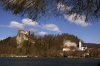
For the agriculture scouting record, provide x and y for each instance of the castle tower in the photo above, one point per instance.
(80, 45)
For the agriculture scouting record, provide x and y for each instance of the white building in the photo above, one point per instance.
(68, 44)
(81, 47)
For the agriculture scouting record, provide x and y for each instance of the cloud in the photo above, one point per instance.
(16, 25)
(63, 7)
(42, 33)
(33, 30)
(29, 22)
(37, 32)
(25, 22)
(78, 21)
(51, 27)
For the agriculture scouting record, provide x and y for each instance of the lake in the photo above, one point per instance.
(49, 62)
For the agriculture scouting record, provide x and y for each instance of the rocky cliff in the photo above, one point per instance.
(21, 36)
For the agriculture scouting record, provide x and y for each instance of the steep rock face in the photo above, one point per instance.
(21, 36)
(69, 43)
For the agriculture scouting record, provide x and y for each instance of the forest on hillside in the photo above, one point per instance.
(43, 46)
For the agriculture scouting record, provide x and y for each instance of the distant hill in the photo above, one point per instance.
(92, 45)
(89, 43)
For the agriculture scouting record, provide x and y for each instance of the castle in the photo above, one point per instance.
(72, 46)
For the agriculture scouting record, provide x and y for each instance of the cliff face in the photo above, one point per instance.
(69, 43)
(21, 36)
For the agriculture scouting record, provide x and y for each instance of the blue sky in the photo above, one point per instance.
(88, 32)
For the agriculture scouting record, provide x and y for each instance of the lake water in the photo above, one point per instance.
(49, 62)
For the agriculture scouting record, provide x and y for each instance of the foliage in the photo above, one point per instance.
(48, 45)
(74, 53)
(44, 46)
(35, 9)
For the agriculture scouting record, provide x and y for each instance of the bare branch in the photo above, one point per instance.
(37, 9)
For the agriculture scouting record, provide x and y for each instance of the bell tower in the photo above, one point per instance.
(80, 45)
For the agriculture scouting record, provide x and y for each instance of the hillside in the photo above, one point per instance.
(41, 46)
(93, 49)
(50, 45)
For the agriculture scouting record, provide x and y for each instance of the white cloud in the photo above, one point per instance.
(25, 22)
(63, 7)
(42, 33)
(78, 21)
(33, 30)
(29, 22)
(37, 32)
(16, 25)
(51, 27)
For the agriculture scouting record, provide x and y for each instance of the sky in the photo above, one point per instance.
(88, 32)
